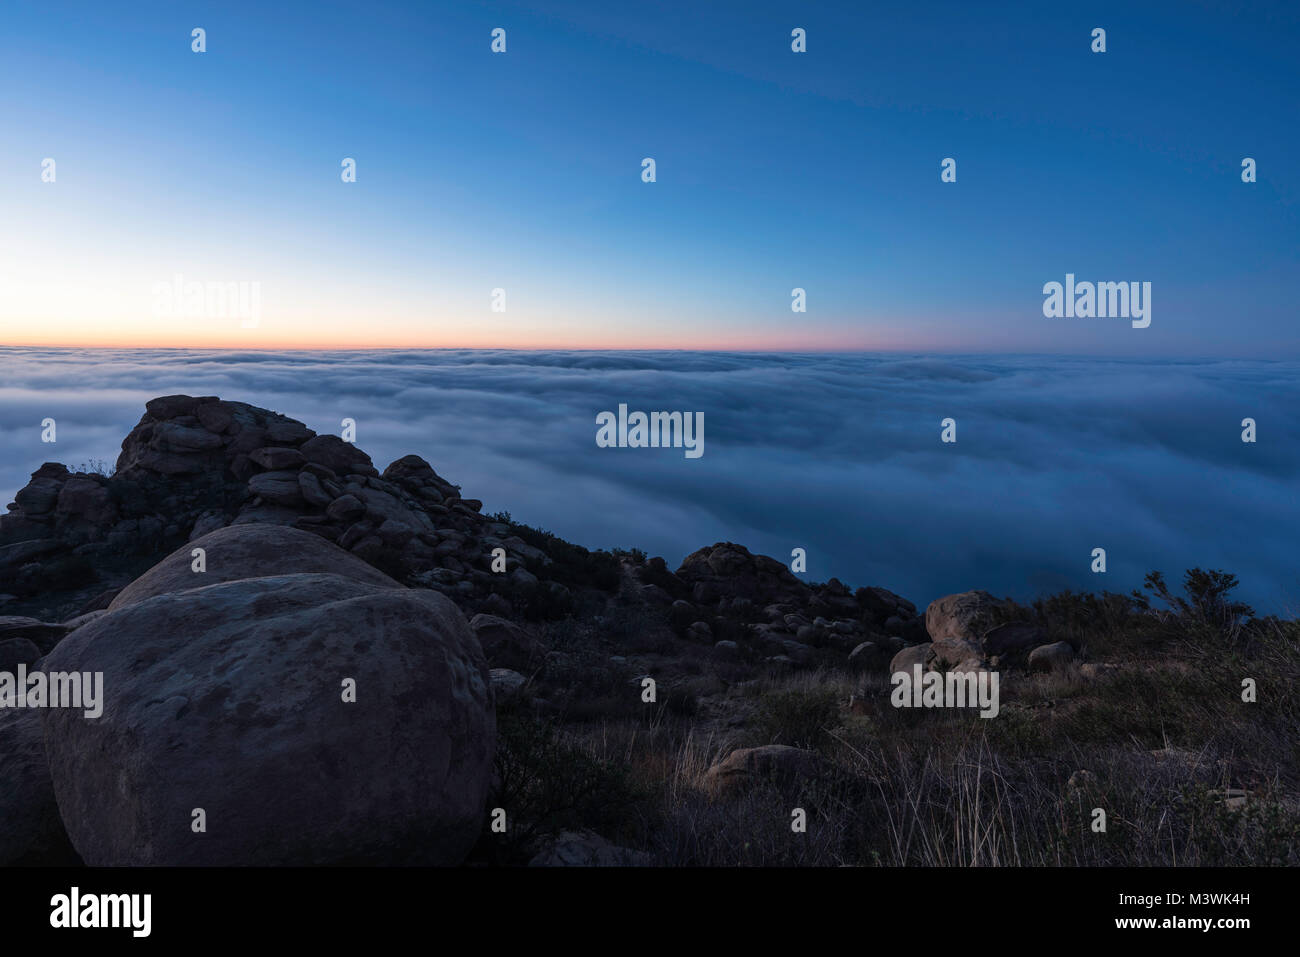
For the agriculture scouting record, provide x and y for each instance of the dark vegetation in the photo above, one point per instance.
(1186, 771)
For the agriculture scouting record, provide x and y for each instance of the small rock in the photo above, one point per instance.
(587, 849)
(1051, 657)
(506, 684)
(783, 765)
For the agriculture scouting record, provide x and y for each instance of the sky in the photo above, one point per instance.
(522, 171)
(837, 454)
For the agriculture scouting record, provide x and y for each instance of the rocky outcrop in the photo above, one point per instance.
(786, 618)
(730, 571)
(306, 717)
(195, 464)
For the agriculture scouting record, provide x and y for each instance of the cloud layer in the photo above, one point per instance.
(838, 454)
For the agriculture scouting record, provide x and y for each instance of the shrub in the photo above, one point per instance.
(1207, 609)
(798, 718)
(548, 784)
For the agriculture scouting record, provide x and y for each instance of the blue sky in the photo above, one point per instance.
(775, 170)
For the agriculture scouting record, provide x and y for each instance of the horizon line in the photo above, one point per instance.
(726, 350)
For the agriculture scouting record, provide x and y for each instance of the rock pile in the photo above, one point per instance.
(195, 464)
(727, 596)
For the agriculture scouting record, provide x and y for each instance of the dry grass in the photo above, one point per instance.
(1160, 737)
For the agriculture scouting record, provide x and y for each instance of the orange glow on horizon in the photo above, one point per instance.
(265, 340)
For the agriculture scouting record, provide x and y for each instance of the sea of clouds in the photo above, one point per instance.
(837, 454)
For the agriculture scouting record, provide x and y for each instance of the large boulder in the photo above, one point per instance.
(247, 551)
(233, 698)
(505, 643)
(966, 615)
(910, 656)
(1012, 641)
(728, 570)
(30, 829)
(955, 654)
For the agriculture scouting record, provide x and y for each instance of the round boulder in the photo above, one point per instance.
(30, 829)
(1051, 657)
(248, 551)
(966, 615)
(303, 719)
(779, 764)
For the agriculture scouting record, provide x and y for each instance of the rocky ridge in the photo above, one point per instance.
(305, 540)
(196, 464)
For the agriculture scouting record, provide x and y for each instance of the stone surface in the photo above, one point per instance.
(506, 684)
(966, 615)
(1012, 640)
(776, 763)
(1051, 657)
(247, 551)
(505, 644)
(16, 651)
(229, 698)
(31, 831)
(912, 655)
